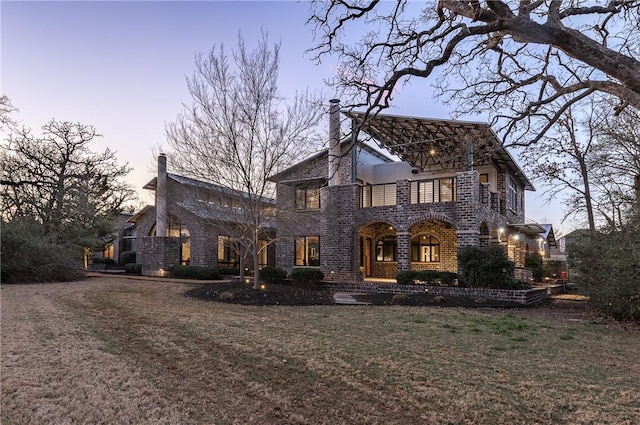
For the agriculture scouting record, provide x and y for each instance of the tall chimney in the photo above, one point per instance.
(334, 142)
(161, 196)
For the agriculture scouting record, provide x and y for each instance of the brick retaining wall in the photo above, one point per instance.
(524, 297)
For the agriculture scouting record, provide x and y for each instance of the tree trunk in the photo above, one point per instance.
(256, 265)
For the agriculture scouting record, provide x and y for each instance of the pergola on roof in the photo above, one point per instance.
(437, 145)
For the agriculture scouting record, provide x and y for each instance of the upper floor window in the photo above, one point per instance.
(484, 178)
(378, 195)
(307, 198)
(437, 190)
(512, 195)
(307, 251)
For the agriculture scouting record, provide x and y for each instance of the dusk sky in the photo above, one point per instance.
(121, 67)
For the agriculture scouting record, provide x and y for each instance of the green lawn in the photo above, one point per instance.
(125, 351)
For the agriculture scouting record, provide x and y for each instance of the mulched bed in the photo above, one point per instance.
(272, 295)
(292, 295)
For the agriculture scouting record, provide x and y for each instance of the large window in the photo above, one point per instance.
(378, 195)
(512, 195)
(308, 251)
(428, 191)
(307, 198)
(386, 249)
(227, 254)
(425, 249)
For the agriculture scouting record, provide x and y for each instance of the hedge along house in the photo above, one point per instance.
(364, 214)
(195, 223)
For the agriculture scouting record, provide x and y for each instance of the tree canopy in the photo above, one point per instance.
(525, 62)
(57, 181)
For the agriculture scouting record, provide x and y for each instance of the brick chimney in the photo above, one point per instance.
(161, 196)
(334, 142)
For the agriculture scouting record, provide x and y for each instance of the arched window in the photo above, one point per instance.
(386, 249)
(425, 249)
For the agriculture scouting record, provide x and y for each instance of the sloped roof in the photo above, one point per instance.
(187, 181)
(434, 144)
(548, 235)
(345, 141)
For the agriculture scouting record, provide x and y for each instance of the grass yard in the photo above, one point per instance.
(110, 350)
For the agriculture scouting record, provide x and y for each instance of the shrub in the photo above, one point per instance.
(102, 260)
(486, 267)
(533, 261)
(195, 272)
(128, 257)
(428, 277)
(306, 277)
(133, 268)
(273, 274)
(439, 299)
(448, 278)
(608, 266)
(30, 256)
(229, 271)
(406, 277)
(399, 299)
(553, 268)
(226, 296)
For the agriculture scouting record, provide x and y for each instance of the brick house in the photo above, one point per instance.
(359, 213)
(193, 223)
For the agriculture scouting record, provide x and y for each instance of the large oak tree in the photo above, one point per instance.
(524, 62)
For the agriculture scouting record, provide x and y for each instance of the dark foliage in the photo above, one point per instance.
(30, 256)
(102, 260)
(133, 268)
(426, 277)
(128, 257)
(533, 261)
(608, 269)
(486, 268)
(273, 274)
(229, 271)
(195, 272)
(306, 277)
(553, 268)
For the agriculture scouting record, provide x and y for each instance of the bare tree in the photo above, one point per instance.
(239, 130)
(60, 183)
(618, 160)
(524, 62)
(564, 160)
(6, 108)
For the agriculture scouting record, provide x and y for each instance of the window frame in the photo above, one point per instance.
(305, 198)
(512, 194)
(308, 259)
(385, 245)
(434, 245)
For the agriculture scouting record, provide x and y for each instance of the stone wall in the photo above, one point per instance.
(524, 297)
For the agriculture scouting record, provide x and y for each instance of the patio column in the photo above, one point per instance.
(403, 240)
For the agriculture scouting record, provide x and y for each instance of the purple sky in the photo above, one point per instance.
(121, 67)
